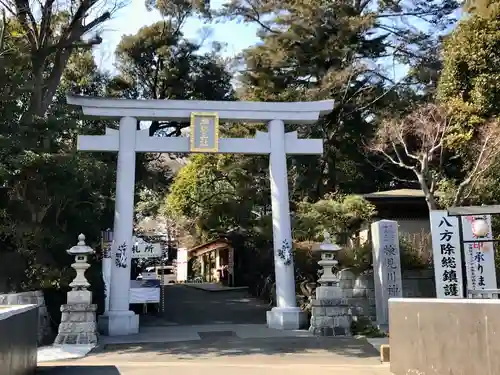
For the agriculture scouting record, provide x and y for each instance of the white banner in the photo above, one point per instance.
(446, 255)
(480, 256)
(143, 249)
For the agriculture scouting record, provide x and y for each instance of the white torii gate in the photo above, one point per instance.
(204, 137)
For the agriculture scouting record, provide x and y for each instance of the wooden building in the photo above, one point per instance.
(406, 206)
(216, 259)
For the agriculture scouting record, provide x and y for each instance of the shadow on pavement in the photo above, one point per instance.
(78, 370)
(318, 347)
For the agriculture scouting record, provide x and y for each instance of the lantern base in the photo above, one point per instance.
(78, 325)
(286, 318)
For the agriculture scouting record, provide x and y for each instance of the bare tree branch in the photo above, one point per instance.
(412, 142)
(417, 142)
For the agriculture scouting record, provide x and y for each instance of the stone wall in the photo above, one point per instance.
(359, 290)
(28, 298)
(424, 340)
(18, 341)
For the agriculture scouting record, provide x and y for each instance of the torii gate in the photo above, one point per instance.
(204, 137)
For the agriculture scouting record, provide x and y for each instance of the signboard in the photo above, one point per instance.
(147, 291)
(479, 256)
(204, 132)
(446, 255)
(143, 249)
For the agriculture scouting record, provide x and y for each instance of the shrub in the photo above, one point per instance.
(416, 250)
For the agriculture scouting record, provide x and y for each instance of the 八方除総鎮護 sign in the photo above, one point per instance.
(204, 132)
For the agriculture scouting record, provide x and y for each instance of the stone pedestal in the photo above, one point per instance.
(119, 323)
(331, 314)
(286, 318)
(78, 325)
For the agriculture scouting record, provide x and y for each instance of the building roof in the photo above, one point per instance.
(219, 243)
(397, 193)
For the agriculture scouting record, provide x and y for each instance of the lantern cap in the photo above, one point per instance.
(327, 245)
(80, 248)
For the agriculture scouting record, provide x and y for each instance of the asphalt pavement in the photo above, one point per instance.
(185, 305)
(225, 350)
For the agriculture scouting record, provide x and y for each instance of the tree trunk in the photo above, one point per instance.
(429, 196)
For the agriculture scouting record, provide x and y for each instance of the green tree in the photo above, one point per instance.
(470, 82)
(312, 50)
(51, 192)
(340, 216)
(158, 62)
(48, 34)
(221, 193)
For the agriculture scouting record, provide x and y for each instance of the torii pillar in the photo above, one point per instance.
(204, 137)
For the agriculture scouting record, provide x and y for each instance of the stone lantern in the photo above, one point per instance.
(328, 261)
(330, 313)
(78, 318)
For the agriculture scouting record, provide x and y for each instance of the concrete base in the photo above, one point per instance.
(117, 323)
(287, 318)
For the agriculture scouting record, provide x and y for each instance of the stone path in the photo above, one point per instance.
(225, 355)
(205, 333)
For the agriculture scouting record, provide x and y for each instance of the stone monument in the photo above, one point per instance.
(330, 311)
(386, 268)
(78, 320)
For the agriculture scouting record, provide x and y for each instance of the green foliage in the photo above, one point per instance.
(159, 63)
(470, 83)
(363, 326)
(357, 258)
(341, 216)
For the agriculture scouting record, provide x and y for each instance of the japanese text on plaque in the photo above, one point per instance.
(448, 258)
(204, 132)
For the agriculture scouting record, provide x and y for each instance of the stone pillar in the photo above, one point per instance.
(330, 315)
(386, 267)
(78, 321)
(286, 315)
(119, 320)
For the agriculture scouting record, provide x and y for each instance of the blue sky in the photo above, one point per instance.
(131, 18)
(134, 16)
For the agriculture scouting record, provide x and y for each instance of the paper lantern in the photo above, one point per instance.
(480, 228)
